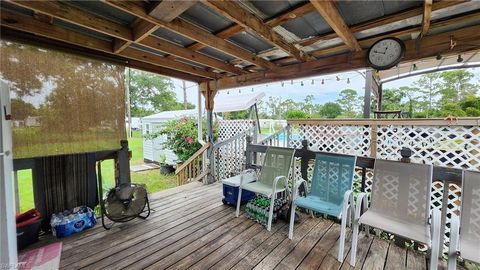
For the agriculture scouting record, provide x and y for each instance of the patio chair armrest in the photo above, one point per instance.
(362, 199)
(275, 181)
(297, 186)
(243, 173)
(435, 244)
(347, 198)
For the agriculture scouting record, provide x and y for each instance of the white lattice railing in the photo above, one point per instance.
(230, 128)
(454, 144)
(229, 155)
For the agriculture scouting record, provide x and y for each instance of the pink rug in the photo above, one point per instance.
(44, 258)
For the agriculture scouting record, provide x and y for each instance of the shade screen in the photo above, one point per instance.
(62, 103)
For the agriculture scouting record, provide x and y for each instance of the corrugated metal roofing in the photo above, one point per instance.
(146, 49)
(250, 42)
(272, 8)
(311, 24)
(203, 16)
(173, 37)
(216, 54)
(82, 30)
(21, 10)
(103, 10)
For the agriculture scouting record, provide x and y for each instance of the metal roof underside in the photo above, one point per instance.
(297, 29)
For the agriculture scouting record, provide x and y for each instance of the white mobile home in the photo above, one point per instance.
(153, 149)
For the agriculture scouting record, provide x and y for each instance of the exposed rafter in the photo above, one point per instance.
(26, 24)
(430, 47)
(251, 22)
(141, 33)
(167, 10)
(192, 32)
(427, 15)
(383, 21)
(284, 17)
(329, 12)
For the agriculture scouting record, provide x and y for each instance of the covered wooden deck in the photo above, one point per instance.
(191, 228)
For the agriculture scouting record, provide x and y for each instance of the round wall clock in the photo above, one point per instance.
(386, 53)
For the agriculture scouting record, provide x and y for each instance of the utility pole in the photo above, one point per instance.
(129, 113)
(184, 95)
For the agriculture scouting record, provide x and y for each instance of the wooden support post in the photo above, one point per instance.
(209, 95)
(380, 97)
(367, 96)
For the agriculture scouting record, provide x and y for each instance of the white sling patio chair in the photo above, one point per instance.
(400, 204)
(273, 177)
(331, 192)
(465, 231)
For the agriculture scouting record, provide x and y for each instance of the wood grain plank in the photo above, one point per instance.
(225, 243)
(302, 249)
(239, 253)
(183, 248)
(320, 250)
(287, 245)
(363, 247)
(416, 260)
(396, 258)
(376, 256)
(149, 244)
(330, 261)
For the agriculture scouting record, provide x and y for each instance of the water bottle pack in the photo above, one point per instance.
(71, 222)
(258, 208)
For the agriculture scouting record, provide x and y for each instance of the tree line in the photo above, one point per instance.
(437, 94)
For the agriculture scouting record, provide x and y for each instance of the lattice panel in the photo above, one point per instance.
(229, 128)
(352, 140)
(449, 146)
(230, 158)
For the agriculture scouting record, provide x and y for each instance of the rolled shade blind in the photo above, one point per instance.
(62, 103)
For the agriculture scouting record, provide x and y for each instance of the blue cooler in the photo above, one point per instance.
(230, 188)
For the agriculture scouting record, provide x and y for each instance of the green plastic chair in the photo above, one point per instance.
(331, 191)
(273, 177)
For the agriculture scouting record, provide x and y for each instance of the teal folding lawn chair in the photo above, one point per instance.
(273, 177)
(331, 191)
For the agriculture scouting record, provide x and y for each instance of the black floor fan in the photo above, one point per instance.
(126, 200)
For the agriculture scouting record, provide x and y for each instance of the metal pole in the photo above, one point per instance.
(210, 149)
(129, 112)
(184, 95)
(367, 95)
(17, 194)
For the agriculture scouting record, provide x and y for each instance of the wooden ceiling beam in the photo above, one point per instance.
(330, 13)
(192, 32)
(28, 24)
(77, 16)
(383, 21)
(141, 34)
(427, 15)
(249, 21)
(466, 39)
(282, 18)
(167, 10)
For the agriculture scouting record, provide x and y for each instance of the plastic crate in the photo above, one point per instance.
(28, 228)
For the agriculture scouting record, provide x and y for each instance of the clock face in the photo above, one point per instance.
(386, 53)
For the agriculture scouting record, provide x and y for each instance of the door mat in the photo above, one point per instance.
(44, 258)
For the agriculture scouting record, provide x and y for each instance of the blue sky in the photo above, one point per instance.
(322, 92)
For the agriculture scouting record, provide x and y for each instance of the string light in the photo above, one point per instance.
(291, 82)
(301, 83)
(348, 80)
(312, 82)
(414, 67)
(283, 84)
(338, 78)
(439, 57)
(323, 81)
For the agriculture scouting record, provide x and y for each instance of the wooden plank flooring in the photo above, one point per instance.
(190, 228)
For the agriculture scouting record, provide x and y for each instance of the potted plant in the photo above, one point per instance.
(164, 167)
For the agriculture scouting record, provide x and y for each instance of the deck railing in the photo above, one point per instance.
(194, 169)
(279, 138)
(229, 155)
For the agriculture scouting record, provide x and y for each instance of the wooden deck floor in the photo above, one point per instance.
(191, 228)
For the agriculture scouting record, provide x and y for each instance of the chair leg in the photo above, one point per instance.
(436, 245)
(239, 200)
(353, 250)
(453, 246)
(292, 220)
(270, 213)
(343, 231)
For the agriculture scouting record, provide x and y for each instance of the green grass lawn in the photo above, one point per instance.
(152, 179)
